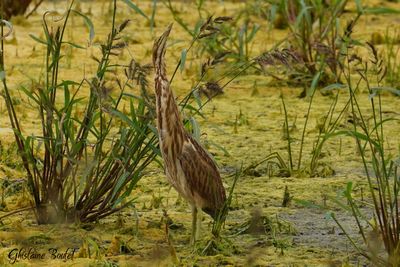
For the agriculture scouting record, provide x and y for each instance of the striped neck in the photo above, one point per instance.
(169, 123)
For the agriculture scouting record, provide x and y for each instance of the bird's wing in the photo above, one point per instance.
(202, 175)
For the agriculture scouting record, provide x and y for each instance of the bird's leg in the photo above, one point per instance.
(198, 223)
(194, 225)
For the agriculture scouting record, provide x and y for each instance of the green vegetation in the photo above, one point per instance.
(295, 100)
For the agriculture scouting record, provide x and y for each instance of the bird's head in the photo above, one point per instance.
(159, 49)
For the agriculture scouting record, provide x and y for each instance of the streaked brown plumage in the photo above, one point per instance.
(187, 165)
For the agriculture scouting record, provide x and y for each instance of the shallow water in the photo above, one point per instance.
(246, 122)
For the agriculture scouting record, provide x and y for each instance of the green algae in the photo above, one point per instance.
(246, 123)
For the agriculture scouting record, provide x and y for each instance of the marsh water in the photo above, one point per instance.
(239, 128)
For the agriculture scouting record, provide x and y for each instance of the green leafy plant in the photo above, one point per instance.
(326, 130)
(294, 165)
(380, 166)
(218, 39)
(327, 127)
(82, 168)
(92, 150)
(314, 37)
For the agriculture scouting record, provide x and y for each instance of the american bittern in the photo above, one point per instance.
(187, 165)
